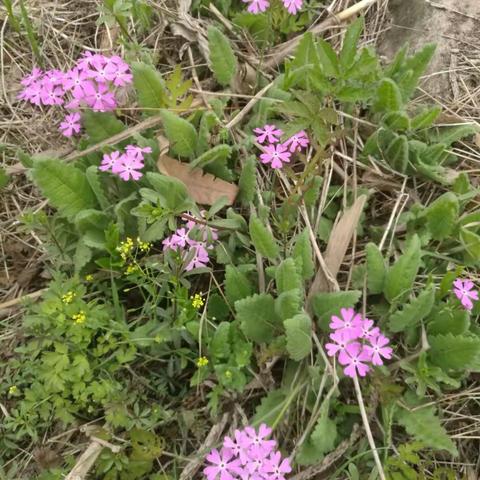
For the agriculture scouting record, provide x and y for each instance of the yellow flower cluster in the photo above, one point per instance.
(13, 390)
(79, 317)
(197, 301)
(89, 278)
(68, 297)
(125, 248)
(143, 246)
(202, 362)
(132, 268)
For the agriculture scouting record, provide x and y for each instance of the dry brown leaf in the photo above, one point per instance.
(204, 188)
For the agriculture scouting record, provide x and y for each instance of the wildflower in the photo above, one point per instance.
(256, 442)
(378, 349)
(100, 72)
(120, 71)
(297, 142)
(68, 297)
(51, 93)
(355, 358)
(180, 237)
(74, 80)
(125, 248)
(89, 278)
(128, 167)
(202, 362)
(99, 97)
(463, 291)
(276, 468)
(109, 160)
(143, 246)
(368, 332)
(79, 317)
(137, 152)
(235, 445)
(350, 322)
(269, 132)
(13, 390)
(90, 59)
(32, 93)
(200, 258)
(341, 340)
(292, 5)
(197, 301)
(276, 155)
(131, 269)
(222, 465)
(169, 244)
(70, 125)
(35, 75)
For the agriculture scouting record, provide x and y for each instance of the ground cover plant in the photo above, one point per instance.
(249, 270)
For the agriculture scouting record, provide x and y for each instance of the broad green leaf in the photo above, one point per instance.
(454, 352)
(219, 345)
(397, 154)
(287, 277)
(208, 121)
(288, 304)
(442, 216)
(303, 254)
(248, 181)
(218, 153)
(425, 426)
(367, 64)
(101, 125)
(237, 285)
(181, 134)
(262, 239)
(95, 183)
(376, 270)
(306, 53)
(449, 135)
(150, 87)
(327, 304)
(349, 49)
(257, 317)
(401, 275)
(426, 118)
(324, 434)
(448, 320)
(433, 154)
(222, 59)
(298, 330)
(388, 96)
(397, 121)
(269, 408)
(471, 243)
(91, 224)
(173, 192)
(328, 59)
(65, 186)
(413, 312)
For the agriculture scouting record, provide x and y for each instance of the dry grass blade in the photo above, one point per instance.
(85, 462)
(204, 188)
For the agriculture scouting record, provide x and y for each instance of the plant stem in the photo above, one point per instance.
(371, 441)
(11, 16)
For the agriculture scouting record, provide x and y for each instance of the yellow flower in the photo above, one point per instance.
(228, 374)
(79, 317)
(202, 362)
(197, 301)
(132, 268)
(68, 297)
(125, 248)
(143, 246)
(89, 278)
(13, 390)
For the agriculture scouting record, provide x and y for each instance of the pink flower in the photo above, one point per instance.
(55, 77)
(181, 238)
(35, 75)
(128, 168)
(292, 5)
(350, 323)
(200, 258)
(463, 291)
(119, 71)
(90, 59)
(223, 467)
(276, 155)
(354, 357)
(269, 133)
(276, 468)
(367, 332)
(341, 339)
(136, 151)
(98, 97)
(109, 160)
(297, 142)
(236, 446)
(32, 94)
(256, 443)
(100, 72)
(255, 467)
(257, 6)
(51, 93)
(74, 81)
(377, 349)
(70, 125)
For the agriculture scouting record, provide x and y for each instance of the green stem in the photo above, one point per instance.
(32, 39)
(11, 16)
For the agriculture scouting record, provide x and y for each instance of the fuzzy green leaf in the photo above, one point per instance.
(83, 254)
(442, 216)
(397, 154)
(414, 312)
(172, 192)
(401, 275)
(449, 135)
(306, 53)
(302, 253)
(95, 183)
(149, 86)
(471, 243)
(454, 352)
(447, 321)
(237, 285)
(219, 345)
(388, 97)
(327, 304)
(101, 125)
(328, 59)
(376, 270)
(299, 336)
(288, 304)
(223, 62)
(65, 186)
(181, 134)
(324, 434)
(248, 181)
(287, 277)
(262, 238)
(219, 153)
(426, 118)
(349, 49)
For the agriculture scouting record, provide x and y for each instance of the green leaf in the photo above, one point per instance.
(92, 225)
(219, 345)
(328, 59)
(288, 304)
(299, 336)
(4, 178)
(248, 181)
(303, 254)
(401, 275)
(237, 285)
(223, 62)
(263, 239)
(426, 118)
(425, 427)
(447, 320)
(65, 186)
(471, 243)
(397, 121)
(324, 434)
(101, 125)
(349, 49)
(397, 154)
(219, 153)
(257, 317)
(454, 352)
(376, 270)
(173, 192)
(388, 96)
(442, 216)
(287, 277)
(414, 312)
(82, 256)
(306, 53)
(327, 304)
(149, 86)
(181, 134)
(449, 135)
(269, 408)
(95, 183)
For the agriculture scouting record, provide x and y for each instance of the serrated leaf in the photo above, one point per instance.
(449, 135)
(388, 96)
(237, 285)
(287, 277)
(288, 304)
(324, 435)
(447, 321)
(328, 59)
(218, 153)
(101, 125)
(181, 134)
(263, 239)
(376, 270)
(426, 118)
(349, 49)
(303, 254)
(269, 408)
(401, 275)
(95, 183)
(425, 427)
(149, 86)
(397, 154)
(257, 317)
(298, 330)
(65, 186)
(248, 181)
(83, 254)
(454, 352)
(219, 345)
(413, 312)
(327, 304)
(306, 53)
(223, 62)
(171, 190)
(442, 215)
(471, 244)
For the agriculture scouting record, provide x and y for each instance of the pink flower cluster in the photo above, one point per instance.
(126, 165)
(274, 152)
(357, 342)
(91, 83)
(192, 242)
(248, 455)
(260, 6)
(463, 290)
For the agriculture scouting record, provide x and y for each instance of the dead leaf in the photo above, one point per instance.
(204, 188)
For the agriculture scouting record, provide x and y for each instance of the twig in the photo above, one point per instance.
(16, 301)
(85, 462)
